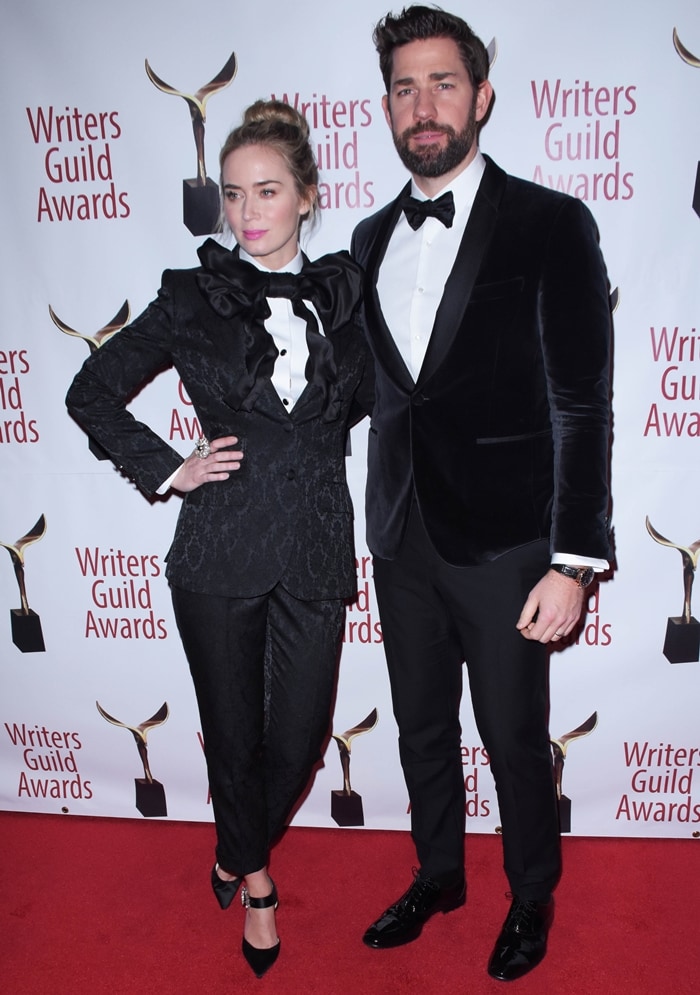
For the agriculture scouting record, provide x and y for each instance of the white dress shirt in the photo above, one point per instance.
(289, 334)
(422, 260)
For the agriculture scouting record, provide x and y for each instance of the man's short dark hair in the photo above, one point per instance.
(418, 23)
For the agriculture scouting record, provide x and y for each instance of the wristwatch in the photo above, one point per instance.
(582, 575)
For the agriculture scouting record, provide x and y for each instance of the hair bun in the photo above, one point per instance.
(273, 112)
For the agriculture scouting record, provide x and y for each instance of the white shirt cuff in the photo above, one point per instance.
(166, 485)
(580, 561)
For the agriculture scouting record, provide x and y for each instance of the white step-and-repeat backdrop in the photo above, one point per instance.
(598, 100)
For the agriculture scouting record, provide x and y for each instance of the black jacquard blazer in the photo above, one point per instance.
(286, 515)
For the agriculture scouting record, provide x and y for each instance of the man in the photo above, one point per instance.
(487, 489)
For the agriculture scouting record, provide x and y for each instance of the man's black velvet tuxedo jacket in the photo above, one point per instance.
(286, 514)
(504, 437)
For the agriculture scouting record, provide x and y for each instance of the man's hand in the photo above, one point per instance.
(552, 609)
(220, 462)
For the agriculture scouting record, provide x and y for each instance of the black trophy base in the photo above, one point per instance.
(696, 193)
(346, 810)
(200, 207)
(682, 643)
(150, 798)
(564, 814)
(26, 631)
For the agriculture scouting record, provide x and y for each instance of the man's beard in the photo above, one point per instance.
(436, 160)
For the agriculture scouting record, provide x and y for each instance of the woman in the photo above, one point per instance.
(262, 558)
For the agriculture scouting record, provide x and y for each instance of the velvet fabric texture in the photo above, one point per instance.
(497, 451)
(514, 391)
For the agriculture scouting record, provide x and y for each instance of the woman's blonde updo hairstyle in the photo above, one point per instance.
(280, 127)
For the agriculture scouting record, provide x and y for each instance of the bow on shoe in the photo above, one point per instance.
(237, 289)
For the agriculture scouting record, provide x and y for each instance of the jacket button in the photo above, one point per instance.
(418, 400)
(291, 474)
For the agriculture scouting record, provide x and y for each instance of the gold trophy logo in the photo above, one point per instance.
(200, 196)
(346, 804)
(559, 748)
(691, 60)
(150, 794)
(682, 642)
(26, 624)
(94, 342)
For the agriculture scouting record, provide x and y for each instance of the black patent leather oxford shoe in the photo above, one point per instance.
(522, 943)
(403, 921)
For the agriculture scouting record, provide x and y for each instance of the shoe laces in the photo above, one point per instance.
(420, 888)
(520, 917)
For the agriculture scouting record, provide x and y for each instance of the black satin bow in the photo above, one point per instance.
(237, 289)
(417, 211)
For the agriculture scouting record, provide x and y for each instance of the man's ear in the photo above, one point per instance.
(484, 96)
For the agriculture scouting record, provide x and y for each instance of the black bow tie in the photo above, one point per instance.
(332, 283)
(238, 290)
(417, 211)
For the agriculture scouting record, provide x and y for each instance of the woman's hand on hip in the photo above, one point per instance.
(219, 462)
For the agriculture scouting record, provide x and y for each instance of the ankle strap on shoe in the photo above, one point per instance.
(259, 903)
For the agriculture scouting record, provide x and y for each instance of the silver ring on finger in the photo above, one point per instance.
(202, 448)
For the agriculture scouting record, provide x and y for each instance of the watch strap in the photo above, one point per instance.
(582, 575)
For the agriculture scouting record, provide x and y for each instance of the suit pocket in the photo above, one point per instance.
(502, 439)
(499, 290)
(331, 496)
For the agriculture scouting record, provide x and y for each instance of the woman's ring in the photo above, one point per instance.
(202, 448)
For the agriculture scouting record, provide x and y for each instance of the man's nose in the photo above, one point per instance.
(424, 106)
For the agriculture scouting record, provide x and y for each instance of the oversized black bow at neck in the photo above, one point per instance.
(237, 289)
(417, 211)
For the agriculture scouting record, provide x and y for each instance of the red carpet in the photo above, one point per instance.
(103, 905)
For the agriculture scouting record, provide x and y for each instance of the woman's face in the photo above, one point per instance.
(262, 204)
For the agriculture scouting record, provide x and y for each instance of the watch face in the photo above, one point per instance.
(586, 576)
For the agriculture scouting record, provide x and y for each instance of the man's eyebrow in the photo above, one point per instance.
(444, 75)
(436, 77)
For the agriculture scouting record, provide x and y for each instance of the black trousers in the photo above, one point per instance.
(434, 618)
(264, 672)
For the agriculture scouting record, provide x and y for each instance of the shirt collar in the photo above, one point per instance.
(464, 186)
(293, 266)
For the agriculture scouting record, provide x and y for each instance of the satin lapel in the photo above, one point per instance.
(381, 338)
(311, 401)
(228, 339)
(460, 283)
(309, 405)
